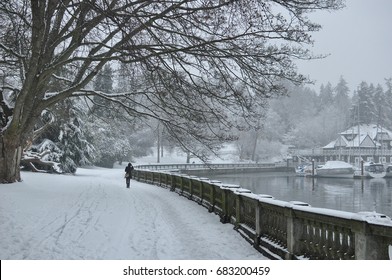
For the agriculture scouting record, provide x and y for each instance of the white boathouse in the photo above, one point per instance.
(367, 142)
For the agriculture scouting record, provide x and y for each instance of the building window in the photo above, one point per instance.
(350, 137)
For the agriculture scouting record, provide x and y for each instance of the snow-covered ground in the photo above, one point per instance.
(91, 215)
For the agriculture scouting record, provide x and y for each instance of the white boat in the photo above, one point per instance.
(335, 169)
(372, 170)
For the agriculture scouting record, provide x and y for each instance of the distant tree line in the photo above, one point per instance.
(306, 118)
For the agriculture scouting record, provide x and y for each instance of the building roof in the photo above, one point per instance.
(363, 136)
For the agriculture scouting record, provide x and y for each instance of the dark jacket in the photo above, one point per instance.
(129, 169)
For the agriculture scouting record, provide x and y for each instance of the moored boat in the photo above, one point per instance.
(335, 169)
(388, 171)
(372, 170)
(304, 170)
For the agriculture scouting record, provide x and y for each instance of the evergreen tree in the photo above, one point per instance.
(388, 103)
(326, 96)
(364, 112)
(342, 102)
(379, 106)
(61, 132)
(110, 140)
(103, 83)
(372, 115)
(104, 80)
(63, 137)
(76, 150)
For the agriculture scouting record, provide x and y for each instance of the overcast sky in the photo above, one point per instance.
(359, 41)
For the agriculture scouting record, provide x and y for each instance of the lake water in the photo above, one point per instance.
(353, 195)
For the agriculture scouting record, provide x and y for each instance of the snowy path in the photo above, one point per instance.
(93, 216)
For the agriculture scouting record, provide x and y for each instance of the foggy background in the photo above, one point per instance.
(358, 39)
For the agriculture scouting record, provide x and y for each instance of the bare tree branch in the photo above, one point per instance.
(195, 61)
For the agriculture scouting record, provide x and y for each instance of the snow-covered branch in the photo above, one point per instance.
(12, 51)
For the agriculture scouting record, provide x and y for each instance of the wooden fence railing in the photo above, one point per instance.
(284, 230)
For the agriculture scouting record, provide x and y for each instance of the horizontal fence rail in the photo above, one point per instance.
(206, 166)
(203, 169)
(342, 152)
(284, 230)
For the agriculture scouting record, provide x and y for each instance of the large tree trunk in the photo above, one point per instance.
(10, 156)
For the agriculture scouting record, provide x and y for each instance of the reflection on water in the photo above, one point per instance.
(353, 195)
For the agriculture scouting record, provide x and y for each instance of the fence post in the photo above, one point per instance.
(294, 234)
(190, 187)
(369, 246)
(165, 180)
(225, 216)
(213, 197)
(173, 182)
(238, 219)
(256, 241)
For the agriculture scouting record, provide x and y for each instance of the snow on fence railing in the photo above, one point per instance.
(342, 152)
(285, 230)
(191, 166)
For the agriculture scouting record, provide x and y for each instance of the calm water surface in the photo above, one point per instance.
(353, 195)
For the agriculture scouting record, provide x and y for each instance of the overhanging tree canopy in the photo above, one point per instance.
(228, 55)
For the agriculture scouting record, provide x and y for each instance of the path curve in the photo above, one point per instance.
(93, 216)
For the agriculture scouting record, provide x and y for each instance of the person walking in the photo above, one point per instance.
(128, 174)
